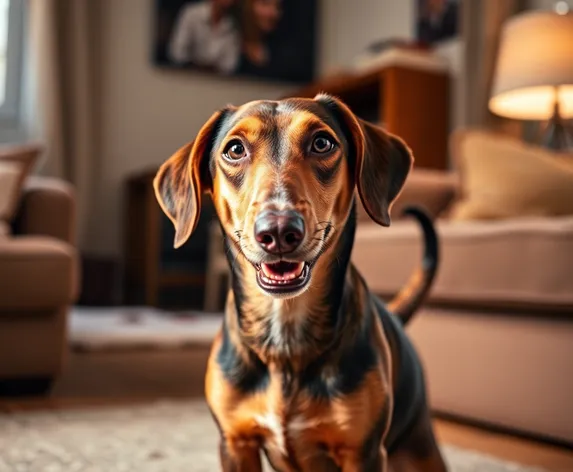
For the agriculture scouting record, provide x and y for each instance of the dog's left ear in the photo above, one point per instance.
(182, 179)
(383, 161)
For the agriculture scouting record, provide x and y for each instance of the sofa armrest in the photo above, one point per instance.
(47, 209)
(431, 189)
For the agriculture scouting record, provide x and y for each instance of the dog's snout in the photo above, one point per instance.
(279, 232)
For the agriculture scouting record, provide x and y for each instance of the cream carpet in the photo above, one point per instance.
(139, 327)
(159, 437)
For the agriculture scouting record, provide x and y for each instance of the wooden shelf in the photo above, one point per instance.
(412, 103)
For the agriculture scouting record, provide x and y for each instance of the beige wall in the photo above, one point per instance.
(349, 25)
(544, 4)
(146, 113)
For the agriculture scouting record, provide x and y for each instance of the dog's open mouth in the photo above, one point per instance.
(283, 276)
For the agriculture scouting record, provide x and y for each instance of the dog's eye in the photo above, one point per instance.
(322, 144)
(234, 150)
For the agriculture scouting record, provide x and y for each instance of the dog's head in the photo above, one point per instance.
(282, 175)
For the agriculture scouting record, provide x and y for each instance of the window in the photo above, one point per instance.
(11, 50)
(4, 4)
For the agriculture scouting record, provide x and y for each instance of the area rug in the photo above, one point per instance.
(104, 329)
(158, 437)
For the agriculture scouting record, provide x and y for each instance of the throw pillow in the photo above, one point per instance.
(16, 162)
(9, 182)
(502, 177)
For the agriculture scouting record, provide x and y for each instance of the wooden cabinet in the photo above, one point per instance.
(156, 274)
(411, 103)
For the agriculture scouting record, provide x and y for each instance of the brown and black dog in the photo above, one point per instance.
(309, 366)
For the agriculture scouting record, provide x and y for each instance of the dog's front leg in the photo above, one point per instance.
(240, 455)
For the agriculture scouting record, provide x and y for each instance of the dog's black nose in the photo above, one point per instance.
(279, 232)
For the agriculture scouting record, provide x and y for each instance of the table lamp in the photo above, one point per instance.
(534, 74)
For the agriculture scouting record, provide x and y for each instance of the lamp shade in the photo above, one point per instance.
(535, 56)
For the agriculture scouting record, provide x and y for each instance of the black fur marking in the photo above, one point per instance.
(431, 245)
(356, 361)
(287, 380)
(325, 173)
(371, 458)
(235, 179)
(353, 365)
(336, 116)
(247, 377)
(250, 377)
(316, 108)
(339, 268)
(208, 163)
(233, 254)
(274, 138)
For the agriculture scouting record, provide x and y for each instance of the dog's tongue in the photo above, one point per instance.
(283, 270)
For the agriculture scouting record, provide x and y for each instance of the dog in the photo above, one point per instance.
(309, 366)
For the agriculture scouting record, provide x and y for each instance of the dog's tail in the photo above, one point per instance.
(409, 299)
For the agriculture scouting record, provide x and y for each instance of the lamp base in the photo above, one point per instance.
(558, 134)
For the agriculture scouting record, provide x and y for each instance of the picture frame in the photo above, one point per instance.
(262, 39)
(437, 21)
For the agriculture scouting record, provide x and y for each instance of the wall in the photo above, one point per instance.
(544, 4)
(349, 25)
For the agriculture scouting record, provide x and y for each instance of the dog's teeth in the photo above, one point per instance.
(299, 269)
(265, 271)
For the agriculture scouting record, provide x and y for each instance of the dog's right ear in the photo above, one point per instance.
(182, 179)
(382, 160)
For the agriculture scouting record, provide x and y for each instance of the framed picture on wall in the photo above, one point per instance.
(268, 39)
(437, 20)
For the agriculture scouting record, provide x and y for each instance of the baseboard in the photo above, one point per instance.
(496, 428)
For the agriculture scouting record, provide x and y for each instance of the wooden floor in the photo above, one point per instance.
(504, 446)
(127, 377)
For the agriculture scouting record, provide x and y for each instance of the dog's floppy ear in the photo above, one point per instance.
(382, 160)
(183, 178)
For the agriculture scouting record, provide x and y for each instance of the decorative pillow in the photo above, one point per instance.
(502, 177)
(16, 162)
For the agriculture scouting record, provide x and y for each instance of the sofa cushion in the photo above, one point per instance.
(503, 177)
(47, 209)
(16, 162)
(430, 189)
(519, 262)
(36, 273)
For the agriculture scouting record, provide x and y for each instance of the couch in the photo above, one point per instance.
(496, 336)
(38, 283)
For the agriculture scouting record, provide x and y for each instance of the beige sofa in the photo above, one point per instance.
(38, 283)
(496, 337)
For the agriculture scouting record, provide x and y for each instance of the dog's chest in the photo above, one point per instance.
(302, 433)
(291, 442)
